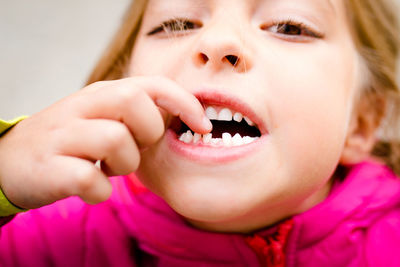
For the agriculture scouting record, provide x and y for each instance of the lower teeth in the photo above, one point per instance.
(227, 140)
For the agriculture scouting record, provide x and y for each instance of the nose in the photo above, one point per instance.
(222, 47)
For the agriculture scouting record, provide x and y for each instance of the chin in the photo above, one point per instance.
(206, 194)
(194, 196)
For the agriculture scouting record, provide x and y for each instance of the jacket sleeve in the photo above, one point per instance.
(53, 235)
(6, 207)
(383, 241)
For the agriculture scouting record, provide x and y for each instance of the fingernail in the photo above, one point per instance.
(207, 124)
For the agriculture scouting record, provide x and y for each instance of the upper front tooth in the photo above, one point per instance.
(238, 117)
(211, 113)
(225, 115)
(249, 122)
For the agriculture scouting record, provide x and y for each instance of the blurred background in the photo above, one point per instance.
(48, 48)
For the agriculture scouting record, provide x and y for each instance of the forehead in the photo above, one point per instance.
(326, 5)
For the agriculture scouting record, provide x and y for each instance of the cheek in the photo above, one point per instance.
(310, 96)
(151, 58)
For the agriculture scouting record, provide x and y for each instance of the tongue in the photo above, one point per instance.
(232, 127)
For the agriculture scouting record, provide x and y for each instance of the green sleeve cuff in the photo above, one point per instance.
(6, 125)
(6, 207)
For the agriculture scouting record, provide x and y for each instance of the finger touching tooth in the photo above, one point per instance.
(196, 138)
(211, 113)
(207, 138)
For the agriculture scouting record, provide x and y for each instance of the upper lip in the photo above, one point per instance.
(213, 97)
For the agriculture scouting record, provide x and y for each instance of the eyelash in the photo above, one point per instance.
(302, 30)
(175, 25)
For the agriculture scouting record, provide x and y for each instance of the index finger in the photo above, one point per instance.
(178, 102)
(120, 100)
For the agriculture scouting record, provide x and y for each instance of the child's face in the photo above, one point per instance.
(297, 71)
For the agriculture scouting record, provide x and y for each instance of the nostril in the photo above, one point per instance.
(203, 58)
(234, 60)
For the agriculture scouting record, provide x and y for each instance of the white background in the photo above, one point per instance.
(48, 48)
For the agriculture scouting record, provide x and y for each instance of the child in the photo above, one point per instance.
(289, 173)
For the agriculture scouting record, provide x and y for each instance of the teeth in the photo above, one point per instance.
(227, 140)
(211, 113)
(196, 138)
(182, 137)
(237, 140)
(225, 115)
(188, 137)
(238, 117)
(248, 139)
(207, 138)
(215, 141)
(249, 122)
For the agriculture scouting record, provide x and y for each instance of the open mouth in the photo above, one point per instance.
(230, 128)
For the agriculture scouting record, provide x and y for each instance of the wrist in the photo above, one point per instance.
(6, 207)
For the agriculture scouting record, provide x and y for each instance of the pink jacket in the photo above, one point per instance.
(357, 225)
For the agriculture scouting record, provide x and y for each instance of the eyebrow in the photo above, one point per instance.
(328, 2)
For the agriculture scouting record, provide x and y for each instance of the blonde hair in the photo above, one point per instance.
(113, 62)
(376, 32)
(376, 35)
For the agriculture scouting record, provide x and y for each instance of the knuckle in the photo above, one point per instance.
(115, 137)
(126, 95)
(160, 79)
(93, 87)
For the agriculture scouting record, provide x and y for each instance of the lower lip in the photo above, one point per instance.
(208, 154)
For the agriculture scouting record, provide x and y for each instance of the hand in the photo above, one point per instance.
(52, 154)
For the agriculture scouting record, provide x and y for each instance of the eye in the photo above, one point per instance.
(175, 25)
(292, 29)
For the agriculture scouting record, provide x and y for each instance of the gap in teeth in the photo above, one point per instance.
(231, 128)
(227, 139)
